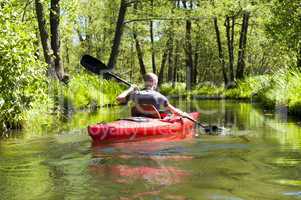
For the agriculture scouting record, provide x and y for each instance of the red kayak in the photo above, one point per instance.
(141, 128)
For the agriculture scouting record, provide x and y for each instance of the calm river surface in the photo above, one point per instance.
(259, 159)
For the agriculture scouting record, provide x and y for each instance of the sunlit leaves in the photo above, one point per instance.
(20, 72)
(285, 24)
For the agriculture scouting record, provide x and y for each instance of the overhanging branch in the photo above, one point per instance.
(165, 19)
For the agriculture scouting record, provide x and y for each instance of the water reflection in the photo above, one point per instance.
(259, 160)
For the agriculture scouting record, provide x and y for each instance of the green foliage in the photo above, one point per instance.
(21, 74)
(169, 89)
(207, 90)
(85, 90)
(285, 25)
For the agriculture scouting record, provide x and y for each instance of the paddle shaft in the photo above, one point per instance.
(119, 79)
(193, 120)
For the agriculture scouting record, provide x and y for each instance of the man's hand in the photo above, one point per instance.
(184, 114)
(122, 98)
(134, 88)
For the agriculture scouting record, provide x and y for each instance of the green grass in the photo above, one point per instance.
(83, 91)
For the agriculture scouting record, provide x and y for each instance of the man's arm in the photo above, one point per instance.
(122, 98)
(175, 110)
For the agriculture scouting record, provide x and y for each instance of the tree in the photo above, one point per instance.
(163, 62)
(21, 74)
(55, 38)
(220, 51)
(118, 34)
(138, 47)
(139, 54)
(44, 37)
(151, 30)
(230, 25)
(285, 27)
(188, 49)
(242, 46)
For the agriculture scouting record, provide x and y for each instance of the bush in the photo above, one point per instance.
(21, 73)
(84, 91)
(170, 89)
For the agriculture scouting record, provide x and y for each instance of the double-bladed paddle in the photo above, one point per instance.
(97, 67)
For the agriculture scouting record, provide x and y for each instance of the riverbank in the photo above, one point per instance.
(282, 88)
(58, 102)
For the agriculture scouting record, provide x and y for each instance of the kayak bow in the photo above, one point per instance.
(141, 128)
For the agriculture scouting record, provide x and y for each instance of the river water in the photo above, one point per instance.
(258, 159)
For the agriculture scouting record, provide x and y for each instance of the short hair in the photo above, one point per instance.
(151, 77)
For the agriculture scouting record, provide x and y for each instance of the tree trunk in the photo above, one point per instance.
(151, 26)
(139, 55)
(44, 37)
(220, 51)
(196, 58)
(195, 67)
(242, 46)
(170, 55)
(189, 59)
(176, 63)
(55, 37)
(138, 47)
(163, 62)
(118, 34)
(152, 48)
(67, 53)
(188, 50)
(230, 41)
(299, 58)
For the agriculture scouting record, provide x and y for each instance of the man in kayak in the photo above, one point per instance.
(148, 96)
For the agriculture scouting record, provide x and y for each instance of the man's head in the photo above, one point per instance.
(151, 81)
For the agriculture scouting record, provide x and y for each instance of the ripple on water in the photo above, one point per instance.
(295, 193)
(289, 182)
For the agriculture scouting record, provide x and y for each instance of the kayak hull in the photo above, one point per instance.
(133, 129)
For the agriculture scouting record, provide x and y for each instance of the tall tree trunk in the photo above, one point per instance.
(163, 62)
(138, 47)
(151, 30)
(132, 56)
(55, 37)
(195, 65)
(230, 42)
(153, 48)
(67, 53)
(44, 37)
(37, 45)
(139, 55)
(189, 59)
(188, 50)
(170, 55)
(176, 63)
(196, 57)
(118, 34)
(220, 51)
(299, 57)
(242, 46)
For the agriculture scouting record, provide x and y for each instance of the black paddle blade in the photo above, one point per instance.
(213, 130)
(94, 65)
